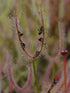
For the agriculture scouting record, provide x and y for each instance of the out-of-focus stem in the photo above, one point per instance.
(62, 9)
(0, 80)
(1, 67)
(13, 83)
(35, 76)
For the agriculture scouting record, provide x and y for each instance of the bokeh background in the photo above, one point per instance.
(30, 21)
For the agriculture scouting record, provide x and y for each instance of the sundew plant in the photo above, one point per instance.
(34, 46)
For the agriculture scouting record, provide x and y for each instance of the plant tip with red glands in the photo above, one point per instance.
(64, 52)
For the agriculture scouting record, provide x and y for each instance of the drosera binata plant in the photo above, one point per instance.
(13, 83)
(37, 53)
(56, 78)
(23, 45)
(7, 67)
(41, 39)
(57, 57)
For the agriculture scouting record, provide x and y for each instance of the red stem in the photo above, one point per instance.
(65, 74)
(10, 87)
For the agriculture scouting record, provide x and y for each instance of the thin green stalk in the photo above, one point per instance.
(35, 76)
(53, 72)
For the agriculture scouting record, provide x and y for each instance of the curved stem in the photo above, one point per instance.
(20, 40)
(28, 83)
(35, 76)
